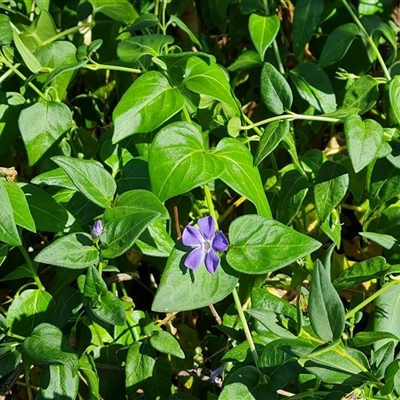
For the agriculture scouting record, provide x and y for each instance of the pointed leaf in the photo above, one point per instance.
(91, 179)
(254, 239)
(392, 94)
(74, 251)
(148, 103)
(58, 382)
(8, 229)
(178, 161)
(165, 343)
(241, 175)
(263, 30)
(29, 58)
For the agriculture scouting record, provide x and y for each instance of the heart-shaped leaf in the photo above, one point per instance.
(263, 29)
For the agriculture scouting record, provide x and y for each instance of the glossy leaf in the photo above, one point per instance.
(209, 79)
(337, 44)
(275, 91)
(90, 178)
(74, 251)
(306, 18)
(245, 60)
(55, 177)
(314, 86)
(362, 94)
(364, 140)
(132, 213)
(241, 384)
(48, 344)
(29, 58)
(254, 239)
(263, 30)
(240, 174)
(58, 381)
(181, 25)
(69, 303)
(392, 94)
(325, 306)
(294, 190)
(178, 161)
(41, 134)
(147, 104)
(183, 289)
(165, 343)
(119, 10)
(8, 229)
(330, 188)
(87, 367)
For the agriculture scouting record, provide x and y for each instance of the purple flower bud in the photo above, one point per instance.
(97, 229)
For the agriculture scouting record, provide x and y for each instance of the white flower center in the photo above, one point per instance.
(206, 245)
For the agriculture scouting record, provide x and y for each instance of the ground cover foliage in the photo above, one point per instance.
(199, 199)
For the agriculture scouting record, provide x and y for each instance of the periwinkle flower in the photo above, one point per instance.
(206, 242)
(97, 229)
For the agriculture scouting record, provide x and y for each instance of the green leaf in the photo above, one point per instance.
(165, 343)
(48, 344)
(234, 127)
(30, 60)
(55, 177)
(88, 368)
(29, 309)
(241, 175)
(263, 30)
(145, 20)
(325, 307)
(178, 22)
(91, 179)
(392, 94)
(8, 229)
(9, 361)
(178, 161)
(363, 271)
(306, 18)
(160, 384)
(119, 10)
(314, 86)
(103, 304)
(209, 79)
(362, 94)
(274, 133)
(23, 271)
(356, 181)
(41, 134)
(386, 241)
(132, 213)
(275, 91)
(140, 363)
(69, 303)
(362, 339)
(147, 104)
(294, 188)
(183, 289)
(392, 378)
(58, 382)
(241, 384)
(330, 188)
(247, 59)
(384, 182)
(364, 140)
(75, 251)
(22, 214)
(6, 34)
(49, 216)
(254, 239)
(129, 51)
(337, 44)
(135, 175)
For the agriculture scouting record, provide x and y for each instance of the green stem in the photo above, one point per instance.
(31, 267)
(186, 114)
(22, 76)
(98, 334)
(249, 121)
(210, 204)
(369, 40)
(371, 298)
(15, 336)
(8, 73)
(96, 67)
(245, 326)
(278, 57)
(67, 32)
(291, 117)
(353, 208)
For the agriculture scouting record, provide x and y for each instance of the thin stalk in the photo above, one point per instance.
(278, 57)
(371, 298)
(248, 120)
(245, 326)
(186, 114)
(22, 76)
(291, 117)
(96, 67)
(353, 208)
(210, 204)
(8, 73)
(31, 268)
(231, 208)
(67, 32)
(369, 40)
(15, 336)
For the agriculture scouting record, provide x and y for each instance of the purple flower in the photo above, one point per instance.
(97, 229)
(206, 243)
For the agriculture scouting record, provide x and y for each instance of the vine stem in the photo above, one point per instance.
(31, 267)
(369, 40)
(245, 326)
(68, 32)
(95, 67)
(210, 204)
(382, 290)
(291, 117)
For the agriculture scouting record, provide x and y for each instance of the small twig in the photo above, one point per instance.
(215, 314)
(176, 220)
(168, 318)
(284, 393)
(128, 276)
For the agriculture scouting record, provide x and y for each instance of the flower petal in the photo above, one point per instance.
(220, 242)
(192, 236)
(207, 227)
(195, 258)
(212, 262)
